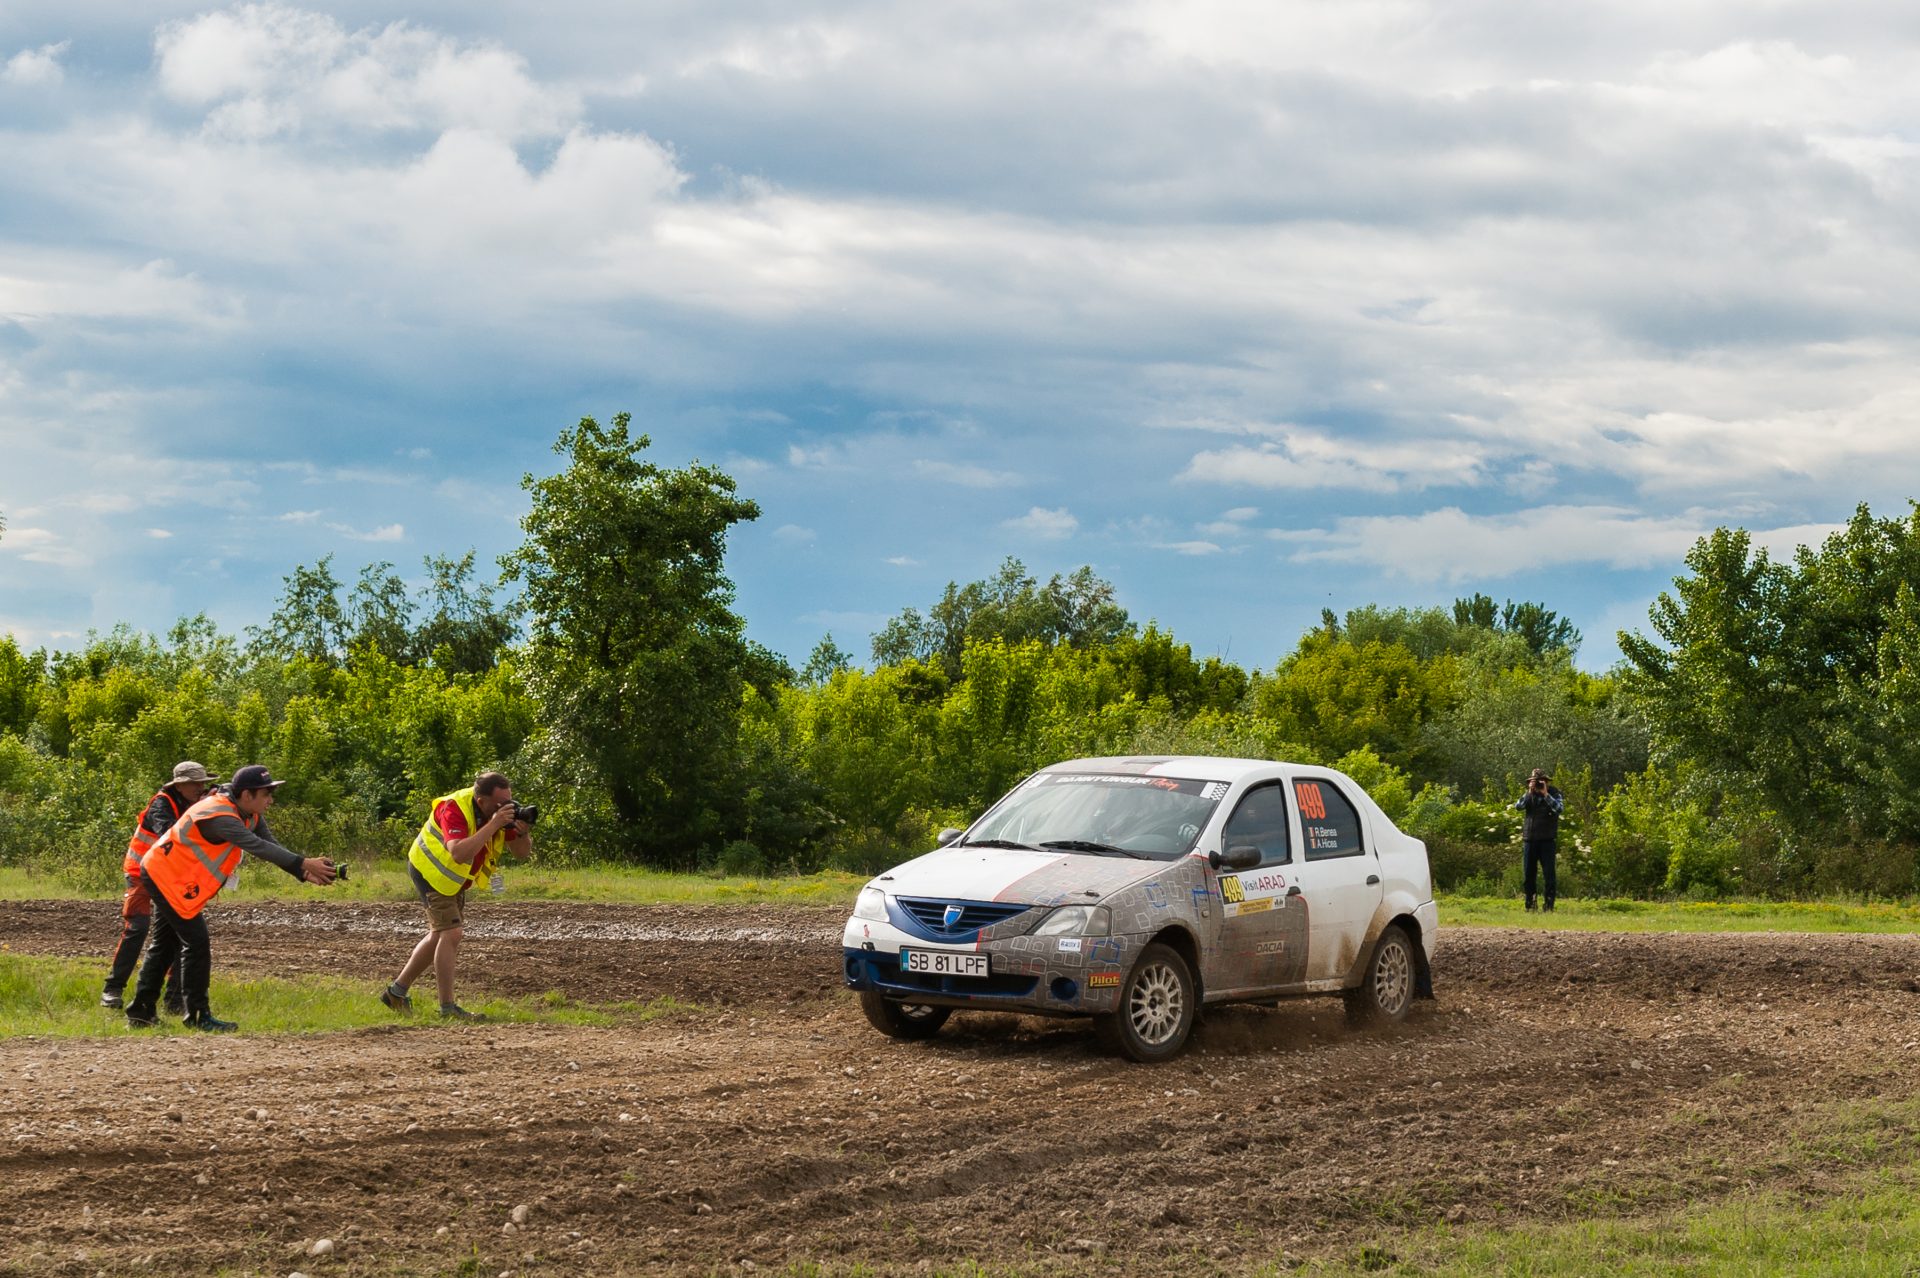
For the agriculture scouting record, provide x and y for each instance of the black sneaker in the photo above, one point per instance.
(211, 1024)
(176, 1007)
(141, 1018)
(455, 1012)
(397, 1000)
(111, 998)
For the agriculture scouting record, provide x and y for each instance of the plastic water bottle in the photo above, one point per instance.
(498, 883)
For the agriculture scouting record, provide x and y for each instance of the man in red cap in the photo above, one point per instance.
(190, 783)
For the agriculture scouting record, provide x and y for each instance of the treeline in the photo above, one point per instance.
(1757, 742)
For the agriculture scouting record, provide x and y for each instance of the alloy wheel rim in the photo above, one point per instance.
(1393, 978)
(1156, 1004)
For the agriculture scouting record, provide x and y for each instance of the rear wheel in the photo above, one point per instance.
(910, 1021)
(1157, 1008)
(1387, 992)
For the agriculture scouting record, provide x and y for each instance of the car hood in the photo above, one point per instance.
(1007, 874)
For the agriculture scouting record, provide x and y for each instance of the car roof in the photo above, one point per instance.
(1198, 767)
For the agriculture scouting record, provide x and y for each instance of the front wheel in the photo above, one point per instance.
(910, 1021)
(1387, 992)
(1157, 1008)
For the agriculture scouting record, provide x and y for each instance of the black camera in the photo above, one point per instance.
(526, 813)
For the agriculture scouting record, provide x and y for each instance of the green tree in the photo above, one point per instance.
(379, 616)
(309, 620)
(1078, 610)
(827, 660)
(461, 629)
(634, 653)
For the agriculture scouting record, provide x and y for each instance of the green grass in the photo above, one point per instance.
(61, 998)
(387, 881)
(1615, 915)
(1872, 1227)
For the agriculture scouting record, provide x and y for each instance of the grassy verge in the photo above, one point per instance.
(387, 881)
(1872, 1227)
(1607, 915)
(60, 998)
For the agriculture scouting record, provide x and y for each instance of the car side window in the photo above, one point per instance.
(1261, 821)
(1329, 820)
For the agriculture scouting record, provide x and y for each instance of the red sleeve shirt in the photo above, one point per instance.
(452, 821)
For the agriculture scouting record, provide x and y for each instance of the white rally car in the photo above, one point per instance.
(1135, 890)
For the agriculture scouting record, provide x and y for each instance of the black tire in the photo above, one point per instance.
(1158, 1005)
(909, 1021)
(1386, 993)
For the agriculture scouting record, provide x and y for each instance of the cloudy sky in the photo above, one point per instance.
(1256, 307)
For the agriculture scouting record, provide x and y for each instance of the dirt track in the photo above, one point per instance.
(1554, 1071)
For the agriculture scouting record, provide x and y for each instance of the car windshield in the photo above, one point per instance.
(1103, 814)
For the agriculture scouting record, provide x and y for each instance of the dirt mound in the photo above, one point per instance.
(1556, 1070)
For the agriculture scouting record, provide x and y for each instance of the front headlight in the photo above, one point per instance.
(871, 905)
(1076, 920)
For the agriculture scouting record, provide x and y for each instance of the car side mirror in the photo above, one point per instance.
(1243, 857)
(947, 836)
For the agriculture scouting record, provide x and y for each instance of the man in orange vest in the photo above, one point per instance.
(190, 783)
(187, 867)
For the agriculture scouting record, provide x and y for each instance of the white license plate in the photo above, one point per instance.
(943, 963)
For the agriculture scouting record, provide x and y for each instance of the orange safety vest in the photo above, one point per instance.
(143, 839)
(190, 868)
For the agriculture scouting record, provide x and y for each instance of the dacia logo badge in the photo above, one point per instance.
(952, 917)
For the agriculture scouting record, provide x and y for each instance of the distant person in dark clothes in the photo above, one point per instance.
(1540, 809)
(189, 785)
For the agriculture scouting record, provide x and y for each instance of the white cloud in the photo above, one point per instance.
(43, 546)
(298, 516)
(1049, 525)
(386, 532)
(36, 68)
(159, 534)
(965, 475)
(903, 561)
(1191, 547)
(794, 534)
(1306, 459)
(1452, 545)
(271, 69)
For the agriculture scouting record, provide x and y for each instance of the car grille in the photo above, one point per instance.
(931, 915)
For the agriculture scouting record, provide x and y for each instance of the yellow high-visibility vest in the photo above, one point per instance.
(432, 856)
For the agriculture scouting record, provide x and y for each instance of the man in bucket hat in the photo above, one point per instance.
(1540, 807)
(187, 868)
(190, 784)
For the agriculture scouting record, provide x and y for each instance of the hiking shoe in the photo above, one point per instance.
(141, 1018)
(455, 1012)
(176, 1007)
(397, 999)
(111, 998)
(211, 1024)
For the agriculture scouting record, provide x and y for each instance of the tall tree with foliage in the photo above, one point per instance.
(1784, 680)
(634, 653)
(1078, 609)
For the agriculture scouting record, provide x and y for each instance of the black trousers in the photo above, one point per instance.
(173, 935)
(133, 936)
(1540, 854)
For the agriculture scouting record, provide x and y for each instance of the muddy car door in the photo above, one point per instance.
(1338, 876)
(1263, 934)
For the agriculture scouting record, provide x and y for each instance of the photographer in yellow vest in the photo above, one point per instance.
(465, 836)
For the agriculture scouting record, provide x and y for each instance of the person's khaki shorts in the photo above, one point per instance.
(443, 911)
